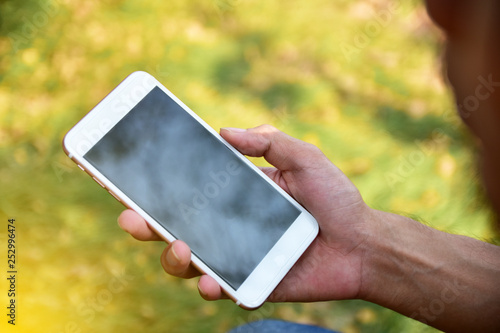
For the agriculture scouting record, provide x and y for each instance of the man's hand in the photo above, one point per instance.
(331, 267)
(447, 281)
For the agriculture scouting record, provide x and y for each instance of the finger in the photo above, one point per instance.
(135, 225)
(176, 260)
(281, 150)
(209, 289)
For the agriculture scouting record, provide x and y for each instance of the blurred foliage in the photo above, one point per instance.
(360, 79)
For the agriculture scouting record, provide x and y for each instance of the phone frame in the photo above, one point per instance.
(97, 123)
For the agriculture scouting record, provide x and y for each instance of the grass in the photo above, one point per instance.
(379, 109)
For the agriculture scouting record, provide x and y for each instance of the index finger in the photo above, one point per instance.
(136, 226)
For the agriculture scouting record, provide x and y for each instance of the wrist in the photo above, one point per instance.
(444, 280)
(392, 253)
(373, 243)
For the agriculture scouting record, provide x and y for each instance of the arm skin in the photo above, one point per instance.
(447, 281)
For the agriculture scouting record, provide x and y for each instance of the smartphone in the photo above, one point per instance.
(157, 157)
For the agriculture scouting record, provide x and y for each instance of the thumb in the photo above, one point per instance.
(281, 150)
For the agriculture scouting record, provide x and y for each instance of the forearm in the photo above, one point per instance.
(446, 281)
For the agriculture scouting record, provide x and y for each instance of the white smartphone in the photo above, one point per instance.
(157, 157)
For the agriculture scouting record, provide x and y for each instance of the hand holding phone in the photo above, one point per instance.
(330, 269)
(157, 157)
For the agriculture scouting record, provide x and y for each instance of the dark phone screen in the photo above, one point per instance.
(194, 186)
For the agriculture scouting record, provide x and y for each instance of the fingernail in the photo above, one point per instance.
(172, 257)
(201, 291)
(234, 130)
(118, 221)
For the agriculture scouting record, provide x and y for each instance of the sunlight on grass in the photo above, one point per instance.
(373, 100)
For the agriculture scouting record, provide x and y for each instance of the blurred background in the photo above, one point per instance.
(360, 79)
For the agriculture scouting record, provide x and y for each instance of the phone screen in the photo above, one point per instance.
(194, 186)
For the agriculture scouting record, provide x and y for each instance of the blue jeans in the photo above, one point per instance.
(278, 326)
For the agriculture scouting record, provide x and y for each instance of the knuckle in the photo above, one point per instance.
(312, 149)
(266, 128)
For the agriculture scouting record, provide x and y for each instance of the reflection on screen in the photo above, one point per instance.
(194, 186)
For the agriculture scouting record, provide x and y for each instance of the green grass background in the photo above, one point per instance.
(360, 79)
